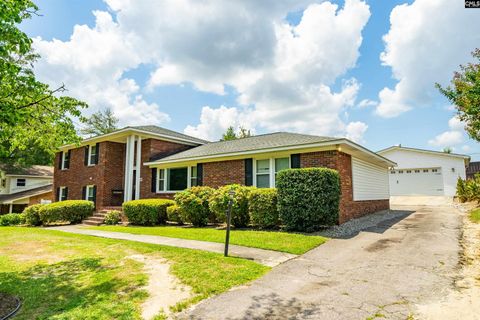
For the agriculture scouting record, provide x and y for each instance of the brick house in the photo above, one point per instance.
(152, 162)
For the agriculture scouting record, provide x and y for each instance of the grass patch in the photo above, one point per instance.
(67, 276)
(475, 215)
(279, 241)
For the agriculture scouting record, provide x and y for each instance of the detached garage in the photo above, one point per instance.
(424, 172)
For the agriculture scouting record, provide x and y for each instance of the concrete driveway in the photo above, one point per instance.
(407, 258)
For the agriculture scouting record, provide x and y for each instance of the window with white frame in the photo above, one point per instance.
(193, 176)
(266, 171)
(90, 193)
(21, 182)
(62, 193)
(92, 155)
(65, 160)
(176, 179)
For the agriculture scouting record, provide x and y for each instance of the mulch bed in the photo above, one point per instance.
(8, 304)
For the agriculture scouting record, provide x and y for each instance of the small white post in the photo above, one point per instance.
(138, 166)
(126, 179)
(131, 149)
(10, 208)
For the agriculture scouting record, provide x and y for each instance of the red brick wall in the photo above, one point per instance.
(342, 162)
(155, 149)
(106, 175)
(220, 173)
(37, 199)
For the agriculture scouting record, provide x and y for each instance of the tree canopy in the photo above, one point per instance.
(230, 134)
(101, 122)
(464, 93)
(35, 119)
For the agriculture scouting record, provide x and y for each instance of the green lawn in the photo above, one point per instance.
(278, 241)
(66, 276)
(475, 215)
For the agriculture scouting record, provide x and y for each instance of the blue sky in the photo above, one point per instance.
(332, 63)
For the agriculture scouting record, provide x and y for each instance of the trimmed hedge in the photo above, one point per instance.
(175, 214)
(262, 207)
(32, 215)
(147, 212)
(73, 211)
(113, 217)
(12, 219)
(308, 199)
(219, 203)
(194, 205)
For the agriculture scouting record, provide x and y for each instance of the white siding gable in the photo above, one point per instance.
(452, 166)
(370, 182)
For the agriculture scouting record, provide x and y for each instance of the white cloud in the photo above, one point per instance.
(447, 139)
(426, 42)
(356, 130)
(214, 122)
(282, 73)
(91, 65)
(365, 103)
(452, 137)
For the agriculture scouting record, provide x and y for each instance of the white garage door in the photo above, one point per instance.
(420, 181)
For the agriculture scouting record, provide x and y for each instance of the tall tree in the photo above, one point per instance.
(34, 118)
(464, 93)
(447, 150)
(229, 134)
(101, 122)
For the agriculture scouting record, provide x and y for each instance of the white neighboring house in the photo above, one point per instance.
(424, 172)
(20, 187)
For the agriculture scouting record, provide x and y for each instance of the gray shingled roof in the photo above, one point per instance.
(26, 193)
(265, 141)
(41, 171)
(174, 134)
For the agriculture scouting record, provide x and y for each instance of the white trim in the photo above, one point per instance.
(332, 143)
(89, 155)
(87, 188)
(424, 151)
(166, 181)
(130, 130)
(60, 192)
(271, 169)
(64, 153)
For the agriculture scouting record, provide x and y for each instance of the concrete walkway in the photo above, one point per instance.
(265, 257)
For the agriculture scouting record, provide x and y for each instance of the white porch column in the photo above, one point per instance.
(129, 156)
(10, 208)
(138, 166)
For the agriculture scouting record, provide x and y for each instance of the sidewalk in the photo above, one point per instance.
(265, 257)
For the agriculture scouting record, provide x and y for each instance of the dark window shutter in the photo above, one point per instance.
(249, 172)
(66, 193)
(199, 174)
(60, 160)
(97, 146)
(67, 165)
(85, 160)
(58, 194)
(95, 196)
(154, 180)
(84, 193)
(295, 160)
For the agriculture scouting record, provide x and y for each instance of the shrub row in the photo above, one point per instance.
(147, 212)
(469, 190)
(12, 219)
(71, 211)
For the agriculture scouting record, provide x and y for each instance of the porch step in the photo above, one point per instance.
(99, 217)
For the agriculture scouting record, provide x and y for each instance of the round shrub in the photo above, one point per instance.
(113, 217)
(194, 205)
(219, 204)
(12, 219)
(72, 211)
(174, 214)
(32, 215)
(262, 207)
(147, 212)
(308, 199)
